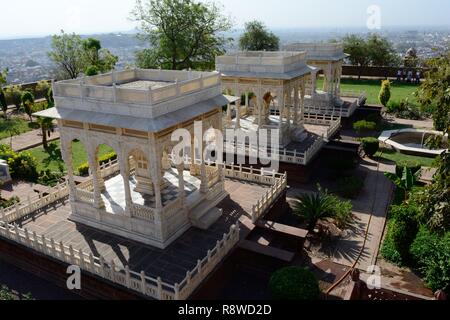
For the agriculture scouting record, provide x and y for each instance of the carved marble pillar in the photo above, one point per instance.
(228, 114)
(66, 152)
(203, 177)
(296, 104)
(181, 192)
(97, 180)
(125, 173)
(155, 172)
(281, 111)
(238, 114)
(289, 107)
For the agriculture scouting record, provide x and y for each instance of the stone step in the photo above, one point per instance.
(207, 219)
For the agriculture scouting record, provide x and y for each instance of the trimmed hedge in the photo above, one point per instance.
(364, 126)
(83, 169)
(370, 146)
(294, 283)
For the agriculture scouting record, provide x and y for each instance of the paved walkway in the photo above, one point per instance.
(376, 198)
(418, 124)
(28, 140)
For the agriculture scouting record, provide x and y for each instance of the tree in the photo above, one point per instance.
(381, 52)
(14, 95)
(72, 55)
(96, 59)
(358, 50)
(435, 199)
(257, 38)
(41, 89)
(3, 103)
(385, 93)
(434, 93)
(182, 33)
(28, 103)
(67, 54)
(47, 127)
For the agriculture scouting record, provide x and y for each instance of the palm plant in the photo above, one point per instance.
(313, 207)
(404, 182)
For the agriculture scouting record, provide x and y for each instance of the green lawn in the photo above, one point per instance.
(51, 159)
(372, 88)
(396, 157)
(20, 125)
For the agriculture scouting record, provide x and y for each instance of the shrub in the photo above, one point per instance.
(83, 170)
(6, 203)
(6, 152)
(388, 249)
(350, 187)
(23, 166)
(385, 92)
(404, 228)
(370, 146)
(436, 142)
(49, 178)
(364, 126)
(432, 254)
(107, 157)
(395, 107)
(414, 166)
(343, 214)
(294, 283)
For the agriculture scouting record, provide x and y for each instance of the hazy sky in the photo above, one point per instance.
(30, 17)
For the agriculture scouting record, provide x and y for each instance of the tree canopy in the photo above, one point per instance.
(373, 51)
(434, 93)
(182, 33)
(73, 55)
(257, 38)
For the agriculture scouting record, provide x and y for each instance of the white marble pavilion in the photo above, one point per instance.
(328, 59)
(135, 112)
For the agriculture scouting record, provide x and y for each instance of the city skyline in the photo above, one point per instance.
(87, 17)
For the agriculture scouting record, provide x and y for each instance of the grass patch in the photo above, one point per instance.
(372, 88)
(16, 124)
(394, 156)
(51, 159)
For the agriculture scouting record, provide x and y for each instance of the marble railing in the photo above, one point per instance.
(24, 208)
(137, 282)
(205, 266)
(265, 203)
(333, 122)
(101, 89)
(142, 212)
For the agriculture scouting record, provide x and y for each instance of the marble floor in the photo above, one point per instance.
(114, 194)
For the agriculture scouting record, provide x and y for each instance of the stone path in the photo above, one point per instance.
(419, 124)
(28, 140)
(376, 198)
